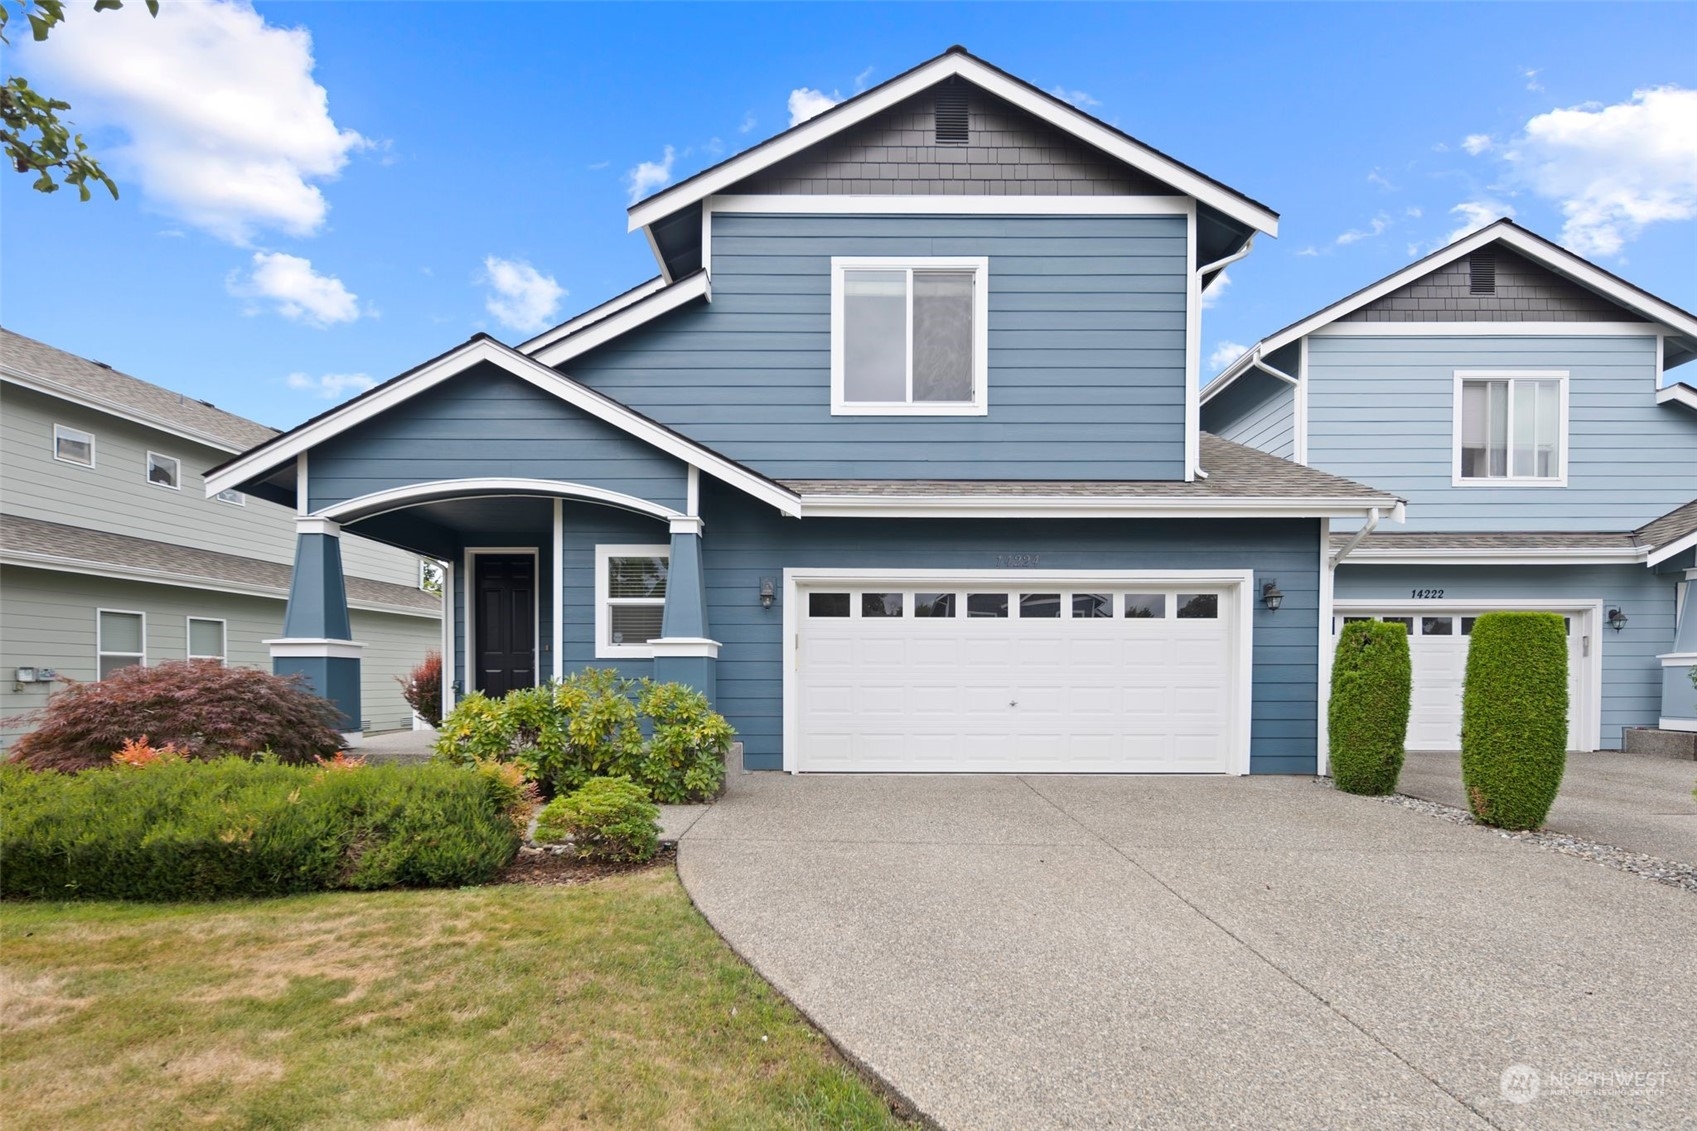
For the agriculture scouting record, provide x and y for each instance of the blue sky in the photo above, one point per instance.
(359, 190)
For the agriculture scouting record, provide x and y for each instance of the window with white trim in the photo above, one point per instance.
(232, 496)
(119, 640)
(164, 471)
(630, 598)
(1511, 428)
(206, 639)
(909, 336)
(73, 445)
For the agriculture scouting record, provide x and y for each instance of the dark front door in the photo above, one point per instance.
(506, 622)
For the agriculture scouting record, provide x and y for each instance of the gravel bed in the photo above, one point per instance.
(1670, 872)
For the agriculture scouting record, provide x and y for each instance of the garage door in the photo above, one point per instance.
(1437, 646)
(1042, 677)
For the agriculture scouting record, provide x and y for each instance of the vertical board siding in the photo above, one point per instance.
(1381, 411)
(1086, 344)
(1257, 412)
(486, 422)
(1632, 676)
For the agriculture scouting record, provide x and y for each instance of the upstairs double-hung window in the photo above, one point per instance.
(1511, 428)
(908, 336)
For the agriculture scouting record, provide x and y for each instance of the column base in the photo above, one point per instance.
(691, 661)
(330, 669)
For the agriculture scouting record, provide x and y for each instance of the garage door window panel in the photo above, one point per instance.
(1146, 606)
(935, 605)
(1039, 606)
(1092, 606)
(828, 604)
(986, 605)
(874, 605)
(1198, 606)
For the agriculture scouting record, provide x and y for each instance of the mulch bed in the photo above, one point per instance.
(546, 869)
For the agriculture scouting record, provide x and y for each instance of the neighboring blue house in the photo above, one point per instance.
(899, 459)
(1526, 405)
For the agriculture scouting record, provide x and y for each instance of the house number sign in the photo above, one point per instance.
(1016, 561)
(1427, 594)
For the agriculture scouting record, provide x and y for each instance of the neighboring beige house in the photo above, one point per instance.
(111, 553)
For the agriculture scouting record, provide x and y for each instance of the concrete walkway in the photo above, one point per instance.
(1638, 802)
(1029, 952)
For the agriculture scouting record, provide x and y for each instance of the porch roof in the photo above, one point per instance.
(1653, 543)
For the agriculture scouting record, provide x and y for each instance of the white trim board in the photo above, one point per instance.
(1192, 348)
(798, 579)
(1479, 555)
(1680, 394)
(1487, 330)
(599, 331)
(472, 553)
(482, 349)
(894, 205)
(439, 490)
(979, 265)
(954, 64)
(604, 553)
(1063, 506)
(594, 314)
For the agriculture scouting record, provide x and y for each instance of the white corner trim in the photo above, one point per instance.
(604, 552)
(437, 490)
(1680, 394)
(684, 646)
(314, 646)
(318, 525)
(662, 300)
(979, 405)
(1323, 694)
(594, 314)
(558, 604)
(450, 628)
(896, 205)
(987, 78)
(1192, 348)
(1299, 407)
(1509, 482)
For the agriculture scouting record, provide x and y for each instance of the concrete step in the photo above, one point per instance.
(1661, 743)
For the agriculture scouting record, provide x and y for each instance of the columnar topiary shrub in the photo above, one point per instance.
(422, 688)
(608, 819)
(1514, 718)
(1368, 719)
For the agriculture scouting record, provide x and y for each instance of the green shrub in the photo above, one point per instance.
(180, 830)
(593, 724)
(1514, 718)
(1367, 722)
(608, 819)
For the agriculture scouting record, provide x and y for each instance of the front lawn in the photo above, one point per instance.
(611, 1004)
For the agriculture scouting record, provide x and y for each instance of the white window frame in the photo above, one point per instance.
(223, 637)
(100, 652)
(147, 471)
(604, 554)
(1560, 376)
(979, 265)
(60, 430)
(232, 496)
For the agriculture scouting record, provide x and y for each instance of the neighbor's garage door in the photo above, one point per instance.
(1437, 647)
(1040, 678)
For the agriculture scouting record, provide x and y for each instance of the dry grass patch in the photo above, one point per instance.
(611, 1004)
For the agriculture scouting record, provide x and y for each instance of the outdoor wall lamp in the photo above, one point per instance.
(768, 590)
(1271, 597)
(1617, 619)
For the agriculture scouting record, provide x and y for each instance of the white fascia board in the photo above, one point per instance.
(883, 204)
(1677, 394)
(1659, 554)
(594, 314)
(662, 300)
(1232, 372)
(1486, 330)
(881, 98)
(860, 506)
(1477, 555)
(284, 449)
(111, 408)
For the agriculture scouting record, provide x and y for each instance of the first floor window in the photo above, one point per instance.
(631, 597)
(206, 639)
(908, 336)
(120, 641)
(163, 471)
(1511, 428)
(73, 445)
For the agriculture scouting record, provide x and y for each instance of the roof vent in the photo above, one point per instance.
(1482, 272)
(102, 364)
(951, 116)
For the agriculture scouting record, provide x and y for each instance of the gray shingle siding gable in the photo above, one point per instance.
(1086, 351)
(1525, 292)
(1011, 153)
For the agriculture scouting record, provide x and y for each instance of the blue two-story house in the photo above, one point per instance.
(899, 458)
(1527, 405)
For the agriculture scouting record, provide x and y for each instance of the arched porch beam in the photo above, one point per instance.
(442, 490)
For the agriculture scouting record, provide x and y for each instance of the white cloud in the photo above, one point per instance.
(807, 103)
(864, 77)
(1374, 177)
(1224, 354)
(650, 175)
(1375, 227)
(598, 166)
(1413, 212)
(520, 296)
(749, 121)
(1475, 214)
(1530, 74)
(1216, 290)
(1616, 169)
(330, 386)
(297, 291)
(226, 127)
(1078, 98)
(1308, 251)
(1475, 144)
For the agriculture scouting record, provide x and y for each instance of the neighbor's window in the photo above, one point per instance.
(119, 642)
(206, 639)
(1510, 429)
(908, 337)
(73, 445)
(630, 584)
(231, 496)
(163, 471)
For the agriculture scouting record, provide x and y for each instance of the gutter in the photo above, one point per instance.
(1372, 524)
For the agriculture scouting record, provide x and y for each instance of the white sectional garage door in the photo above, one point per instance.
(1042, 676)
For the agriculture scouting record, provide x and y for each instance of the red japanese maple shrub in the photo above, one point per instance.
(422, 688)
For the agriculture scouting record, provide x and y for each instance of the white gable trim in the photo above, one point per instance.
(661, 300)
(987, 78)
(285, 448)
(1077, 506)
(954, 205)
(1660, 554)
(594, 314)
(1677, 394)
(1487, 330)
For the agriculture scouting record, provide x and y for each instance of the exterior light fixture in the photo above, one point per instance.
(768, 590)
(1271, 597)
(1617, 619)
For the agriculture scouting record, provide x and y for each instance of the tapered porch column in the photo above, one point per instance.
(317, 640)
(1679, 697)
(685, 653)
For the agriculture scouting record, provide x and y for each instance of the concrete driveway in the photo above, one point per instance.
(1638, 802)
(1032, 952)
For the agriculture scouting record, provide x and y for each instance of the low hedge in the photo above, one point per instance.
(607, 819)
(180, 830)
(1514, 718)
(1367, 722)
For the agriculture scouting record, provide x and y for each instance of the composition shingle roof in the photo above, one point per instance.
(31, 539)
(1669, 528)
(41, 363)
(1234, 472)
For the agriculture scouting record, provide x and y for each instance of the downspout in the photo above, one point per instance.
(1360, 537)
(1201, 273)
